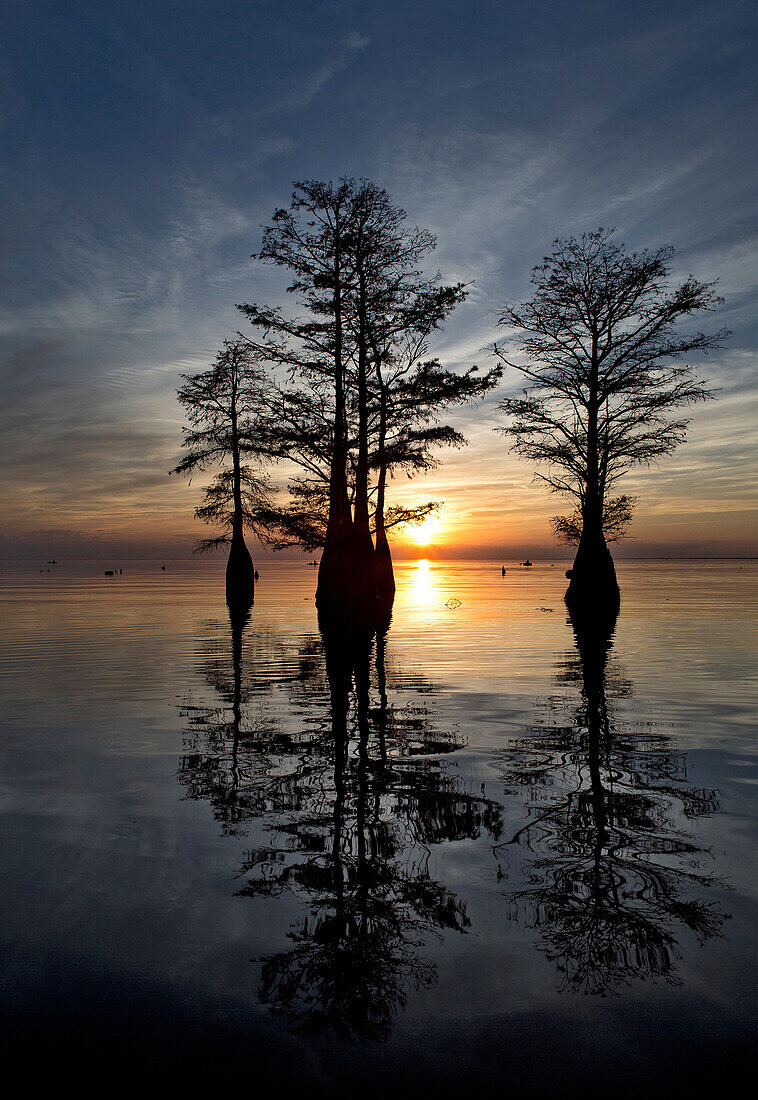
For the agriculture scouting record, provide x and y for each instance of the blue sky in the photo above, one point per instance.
(143, 145)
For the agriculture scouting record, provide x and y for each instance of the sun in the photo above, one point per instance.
(425, 533)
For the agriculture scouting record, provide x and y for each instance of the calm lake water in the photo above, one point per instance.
(481, 854)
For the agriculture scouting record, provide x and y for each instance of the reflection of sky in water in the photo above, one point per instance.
(482, 730)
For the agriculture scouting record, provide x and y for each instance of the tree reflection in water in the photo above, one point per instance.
(613, 875)
(352, 796)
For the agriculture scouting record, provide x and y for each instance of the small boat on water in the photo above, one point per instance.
(527, 562)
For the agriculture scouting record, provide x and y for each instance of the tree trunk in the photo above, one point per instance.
(240, 580)
(335, 573)
(385, 577)
(363, 548)
(593, 576)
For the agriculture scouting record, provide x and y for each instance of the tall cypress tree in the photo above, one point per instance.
(225, 406)
(357, 353)
(602, 356)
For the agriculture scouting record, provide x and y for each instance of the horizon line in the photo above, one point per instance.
(399, 560)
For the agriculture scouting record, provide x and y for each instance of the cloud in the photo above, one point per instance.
(307, 87)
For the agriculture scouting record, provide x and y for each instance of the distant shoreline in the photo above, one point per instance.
(398, 560)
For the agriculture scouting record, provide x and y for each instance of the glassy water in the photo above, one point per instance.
(485, 850)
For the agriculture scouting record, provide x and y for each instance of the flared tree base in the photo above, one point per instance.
(348, 598)
(240, 577)
(593, 590)
(345, 578)
(385, 576)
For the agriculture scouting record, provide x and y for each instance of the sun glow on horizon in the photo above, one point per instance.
(426, 532)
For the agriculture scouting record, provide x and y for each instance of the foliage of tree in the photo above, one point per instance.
(606, 376)
(617, 515)
(302, 520)
(300, 431)
(404, 435)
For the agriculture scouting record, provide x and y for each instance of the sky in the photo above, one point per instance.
(143, 146)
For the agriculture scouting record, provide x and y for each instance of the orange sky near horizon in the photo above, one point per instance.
(695, 503)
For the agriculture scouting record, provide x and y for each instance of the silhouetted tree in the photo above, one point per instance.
(311, 240)
(355, 268)
(225, 406)
(604, 379)
(395, 310)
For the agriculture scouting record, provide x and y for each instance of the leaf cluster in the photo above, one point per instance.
(617, 515)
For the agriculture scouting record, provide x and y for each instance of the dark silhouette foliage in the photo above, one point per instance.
(606, 378)
(617, 515)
